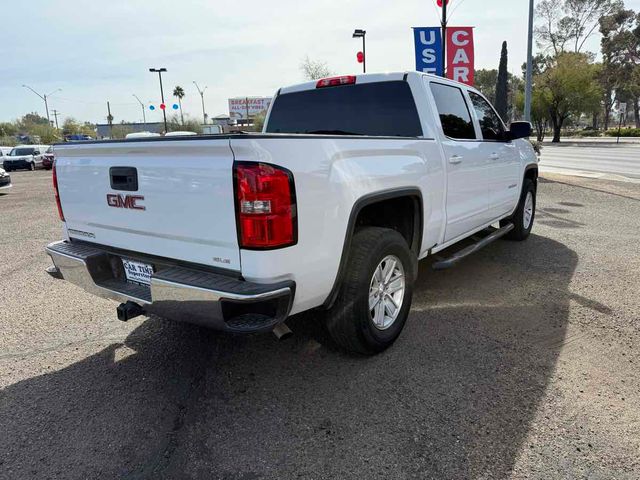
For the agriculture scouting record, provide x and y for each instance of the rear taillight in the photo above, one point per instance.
(56, 193)
(336, 81)
(265, 206)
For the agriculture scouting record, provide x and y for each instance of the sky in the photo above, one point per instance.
(98, 51)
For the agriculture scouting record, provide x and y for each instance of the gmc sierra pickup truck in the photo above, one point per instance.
(352, 181)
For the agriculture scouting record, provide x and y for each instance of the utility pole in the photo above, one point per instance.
(444, 37)
(164, 113)
(201, 92)
(529, 74)
(44, 97)
(246, 104)
(110, 120)
(144, 116)
(55, 115)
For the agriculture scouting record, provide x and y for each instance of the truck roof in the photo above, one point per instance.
(371, 78)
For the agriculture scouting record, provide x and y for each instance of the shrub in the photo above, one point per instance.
(625, 132)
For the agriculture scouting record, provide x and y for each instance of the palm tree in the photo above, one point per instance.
(178, 92)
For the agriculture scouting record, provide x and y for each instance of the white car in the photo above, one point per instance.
(353, 180)
(25, 157)
(5, 181)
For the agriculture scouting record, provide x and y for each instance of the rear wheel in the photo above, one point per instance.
(375, 296)
(524, 215)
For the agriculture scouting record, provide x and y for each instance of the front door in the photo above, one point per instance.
(467, 205)
(502, 156)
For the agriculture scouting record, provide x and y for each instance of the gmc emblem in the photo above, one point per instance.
(117, 200)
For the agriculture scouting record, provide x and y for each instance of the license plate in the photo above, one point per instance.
(137, 272)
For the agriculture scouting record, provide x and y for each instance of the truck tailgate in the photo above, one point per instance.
(182, 208)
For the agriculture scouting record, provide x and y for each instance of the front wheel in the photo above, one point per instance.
(525, 213)
(375, 296)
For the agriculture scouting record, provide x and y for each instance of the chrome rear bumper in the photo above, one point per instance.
(176, 292)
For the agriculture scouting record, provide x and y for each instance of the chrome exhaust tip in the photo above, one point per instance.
(281, 331)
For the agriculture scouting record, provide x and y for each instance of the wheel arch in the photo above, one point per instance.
(411, 193)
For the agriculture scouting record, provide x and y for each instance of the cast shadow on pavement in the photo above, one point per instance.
(453, 398)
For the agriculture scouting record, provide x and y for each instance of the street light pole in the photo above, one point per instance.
(201, 92)
(164, 113)
(144, 116)
(529, 74)
(44, 97)
(357, 34)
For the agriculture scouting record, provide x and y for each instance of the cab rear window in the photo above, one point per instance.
(373, 109)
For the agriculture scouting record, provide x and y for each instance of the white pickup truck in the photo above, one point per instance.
(352, 181)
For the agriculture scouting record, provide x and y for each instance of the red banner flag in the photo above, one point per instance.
(460, 56)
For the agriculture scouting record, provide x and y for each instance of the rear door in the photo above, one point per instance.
(502, 156)
(167, 198)
(467, 203)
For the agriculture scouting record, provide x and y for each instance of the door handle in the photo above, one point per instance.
(494, 156)
(455, 159)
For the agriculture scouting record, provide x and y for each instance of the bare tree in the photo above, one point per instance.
(313, 70)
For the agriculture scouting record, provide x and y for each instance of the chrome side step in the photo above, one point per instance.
(473, 248)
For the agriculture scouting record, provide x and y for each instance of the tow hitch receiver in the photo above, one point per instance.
(129, 310)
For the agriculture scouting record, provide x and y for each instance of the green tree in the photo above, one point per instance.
(313, 70)
(178, 92)
(502, 87)
(568, 87)
(485, 81)
(566, 25)
(621, 60)
(8, 129)
(187, 125)
(258, 121)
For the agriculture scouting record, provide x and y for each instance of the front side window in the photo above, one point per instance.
(453, 111)
(490, 124)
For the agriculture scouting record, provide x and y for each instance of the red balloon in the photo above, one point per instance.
(440, 3)
(162, 106)
(360, 57)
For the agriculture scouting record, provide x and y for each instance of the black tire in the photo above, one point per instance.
(349, 320)
(32, 166)
(521, 231)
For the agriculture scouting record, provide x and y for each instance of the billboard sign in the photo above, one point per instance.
(428, 44)
(247, 107)
(460, 52)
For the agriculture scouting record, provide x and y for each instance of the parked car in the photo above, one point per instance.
(77, 137)
(48, 159)
(5, 181)
(353, 180)
(25, 157)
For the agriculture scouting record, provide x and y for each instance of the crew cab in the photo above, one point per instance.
(351, 182)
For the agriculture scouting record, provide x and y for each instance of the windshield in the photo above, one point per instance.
(16, 152)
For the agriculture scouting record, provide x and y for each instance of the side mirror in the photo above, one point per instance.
(520, 130)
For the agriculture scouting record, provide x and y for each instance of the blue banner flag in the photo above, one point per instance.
(428, 41)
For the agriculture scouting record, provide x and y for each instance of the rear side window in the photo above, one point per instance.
(375, 109)
(453, 111)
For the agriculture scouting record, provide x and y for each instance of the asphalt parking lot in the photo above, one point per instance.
(522, 362)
